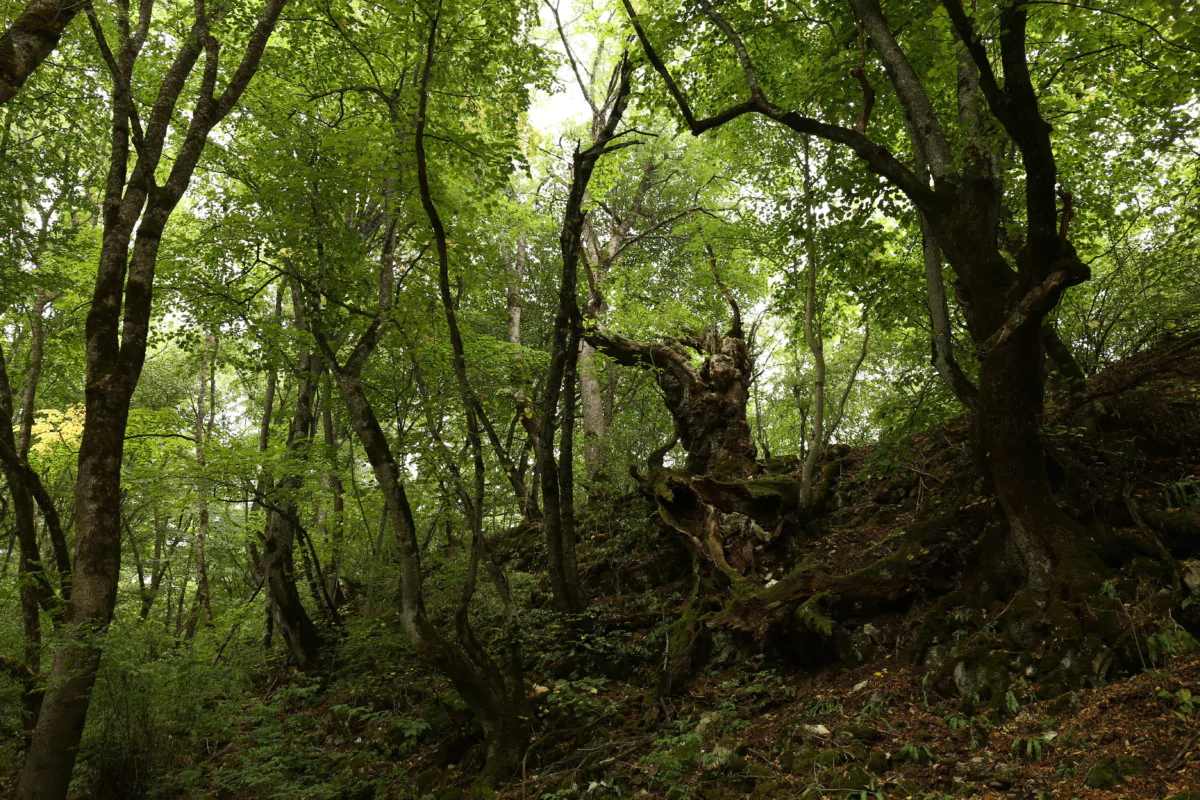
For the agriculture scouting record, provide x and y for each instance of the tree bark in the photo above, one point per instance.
(595, 421)
(558, 500)
(707, 404)
(136, 211)
(941, 338)
(516, 279)
(814, 337)
(35, 588)
(205, 397)
(333, 523)
(290, 618)
(287, 611)
(30, 39)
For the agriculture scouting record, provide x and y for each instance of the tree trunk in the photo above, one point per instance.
(333, 524)
(158, 566)
(941, 338)
(36, 592)
(708, 404)
(814, 337)
(136, 209)
(205, 397)
(595, 422)
(1010, 398)
(1051, 544)
(558, 500)
(502, 704)
(29, 40)
(283, 515)
(513, 298)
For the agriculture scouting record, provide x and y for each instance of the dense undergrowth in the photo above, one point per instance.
(949, 684)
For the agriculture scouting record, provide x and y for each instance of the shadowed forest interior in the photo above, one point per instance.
(445, 399)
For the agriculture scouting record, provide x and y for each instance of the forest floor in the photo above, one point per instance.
(866, 716)
(864, 712)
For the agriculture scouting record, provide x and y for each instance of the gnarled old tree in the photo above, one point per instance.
(1004, 301)
(707, 402)
(137, 208)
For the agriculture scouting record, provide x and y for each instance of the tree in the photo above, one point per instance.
(136, 211)
(30, 39)
(558, 503)
(1004, 301)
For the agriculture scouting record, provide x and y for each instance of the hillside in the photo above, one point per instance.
(938, 685)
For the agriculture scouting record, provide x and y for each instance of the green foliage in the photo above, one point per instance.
(1168, 641)
(1031, 749)
(1183, 702)
(823, 707)
(672, 758)
(304, 210)
(576, 702)
(916, 753)
(1184, 493)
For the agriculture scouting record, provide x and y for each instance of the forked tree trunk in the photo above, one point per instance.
(499, 705)
(287, 611)
(136, 211)
(556, 472)
(35, 590)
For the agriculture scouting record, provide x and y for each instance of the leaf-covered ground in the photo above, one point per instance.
(862, 713)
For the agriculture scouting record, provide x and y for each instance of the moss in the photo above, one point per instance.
(1104, 775)
(860, 733)
(1131, 766)
(682, 638)
(798, 762)
(854, 780)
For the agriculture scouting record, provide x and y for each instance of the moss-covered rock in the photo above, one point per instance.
(797, 761)
(727, 756)
(1005, 776)
(1131, 766)
(853, 780)
(1104, 775)
(858, 733)
(829, 758)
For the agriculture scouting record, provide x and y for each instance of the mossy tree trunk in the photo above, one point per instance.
(707, 403)
(137, 209)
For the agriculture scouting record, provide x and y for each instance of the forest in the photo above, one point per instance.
(463, 399)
